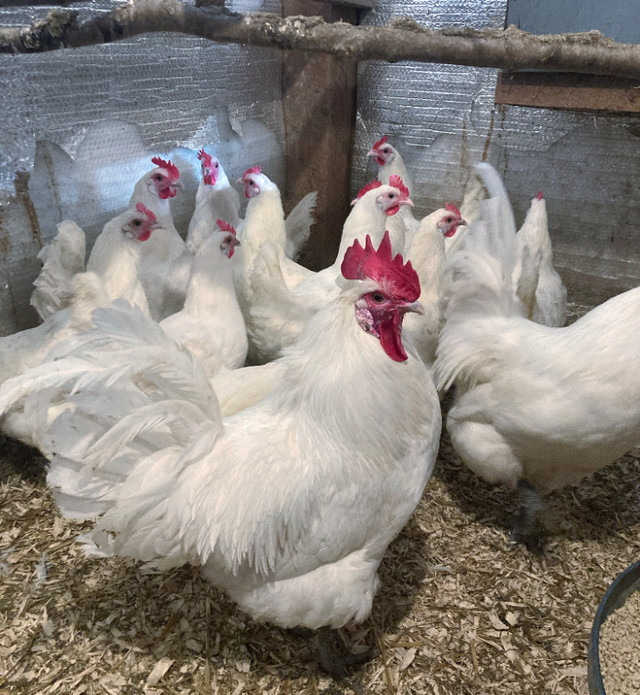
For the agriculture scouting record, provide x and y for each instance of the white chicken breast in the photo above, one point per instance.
(211, 325)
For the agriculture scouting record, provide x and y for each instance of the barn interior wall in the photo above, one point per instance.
(443, 119)
(80, 126)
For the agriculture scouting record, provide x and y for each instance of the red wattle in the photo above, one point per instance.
(390, 338)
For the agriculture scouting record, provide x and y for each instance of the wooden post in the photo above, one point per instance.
(319, 105)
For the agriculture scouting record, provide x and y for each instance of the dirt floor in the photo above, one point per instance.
(459, 611)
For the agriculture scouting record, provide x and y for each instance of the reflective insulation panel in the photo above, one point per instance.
(80, 127)
(443, 119)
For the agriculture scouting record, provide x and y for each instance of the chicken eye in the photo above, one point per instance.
(386, 150)
(448, 219)
(158, 177)
(136, 223)
(377, 297)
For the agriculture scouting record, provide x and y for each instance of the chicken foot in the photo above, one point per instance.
(527, 525)
(333, 659)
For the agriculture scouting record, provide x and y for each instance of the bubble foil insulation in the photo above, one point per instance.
(443, 119)
(80, 127)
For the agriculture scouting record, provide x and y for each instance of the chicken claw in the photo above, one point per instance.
(333, 659)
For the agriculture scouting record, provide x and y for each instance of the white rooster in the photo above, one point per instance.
(288, 505)
(275, 313)
(211, 325)
(215, 199)
(536, 407)
(165, 272)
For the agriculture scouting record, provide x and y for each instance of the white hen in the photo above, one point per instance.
(264, 222)
(289, 505)
(546, 302)
(215, 199)
(61, 258)
(536, 407)
(276, 314)
(115, 257)
(211, 325)
(427, 256)
(165, 272)
(390, 164)
(27, 349)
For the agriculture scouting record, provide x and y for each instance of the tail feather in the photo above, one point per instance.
(178, 416)
(138, 410)
(498, 216)
(479, 283)
(298, 224)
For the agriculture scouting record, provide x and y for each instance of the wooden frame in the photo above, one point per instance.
(568, 91)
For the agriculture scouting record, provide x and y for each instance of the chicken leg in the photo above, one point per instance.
(333, 659)
(527, 526)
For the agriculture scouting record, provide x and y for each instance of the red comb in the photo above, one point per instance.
(361, 263)
(252, 170)
(452, 208)
(172, 169)
(226, 227)
(369, 187)
(539, 196)
(203, 156)
(397, 182)
(143, 209)
(380, 142)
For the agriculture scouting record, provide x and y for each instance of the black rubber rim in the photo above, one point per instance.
(618, 592)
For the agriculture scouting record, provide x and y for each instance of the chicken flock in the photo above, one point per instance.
(208, 400)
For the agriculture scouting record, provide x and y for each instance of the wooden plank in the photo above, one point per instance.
(319, 106)
(568, 91)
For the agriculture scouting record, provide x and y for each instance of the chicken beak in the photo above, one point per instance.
(406, 201)
(372, 153)
(462, 222)
(178, 184)
(412, 306)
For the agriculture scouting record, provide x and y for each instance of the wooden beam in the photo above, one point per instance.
(568, 91)
(319, 105)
